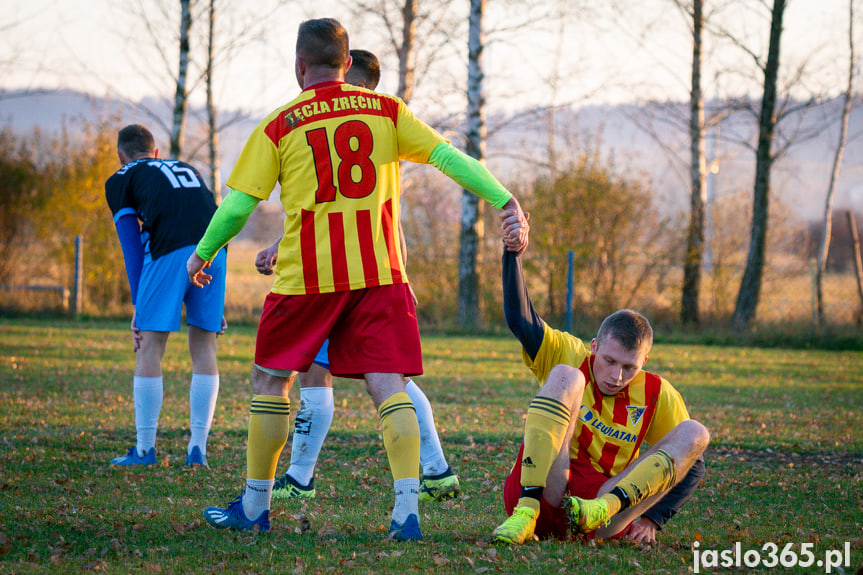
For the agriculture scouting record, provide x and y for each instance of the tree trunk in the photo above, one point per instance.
(178, 126)
(824, 246)
(750, 285)
(697, 170)
(212, 118)
(471, 208)
(406, 51)
(858, 262)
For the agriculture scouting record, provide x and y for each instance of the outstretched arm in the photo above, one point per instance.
(475, 178)
(227, 222)
(521, 317)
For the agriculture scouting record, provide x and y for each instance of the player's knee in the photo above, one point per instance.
(697, 436)
(272, 382)
(564, 382)
(319, 377)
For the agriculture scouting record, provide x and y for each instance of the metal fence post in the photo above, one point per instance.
(569, 272)
(79, 275)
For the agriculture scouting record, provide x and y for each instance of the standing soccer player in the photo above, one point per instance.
(313, 420)
(335, 151)
(174, 207)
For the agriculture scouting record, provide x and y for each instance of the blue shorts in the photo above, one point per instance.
(164, 287)
(323, 357)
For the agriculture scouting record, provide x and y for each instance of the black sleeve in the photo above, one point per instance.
(673, 501)
(522, 320)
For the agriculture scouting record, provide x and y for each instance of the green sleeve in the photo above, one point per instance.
(469, 174)
(227, 222)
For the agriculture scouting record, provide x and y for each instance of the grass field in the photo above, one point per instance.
(785, 465)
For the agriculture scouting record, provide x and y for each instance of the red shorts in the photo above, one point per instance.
(372, 330)
(584, 482)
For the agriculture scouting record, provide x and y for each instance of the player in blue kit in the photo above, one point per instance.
(174, 206)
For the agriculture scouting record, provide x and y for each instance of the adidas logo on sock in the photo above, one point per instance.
(527, 462)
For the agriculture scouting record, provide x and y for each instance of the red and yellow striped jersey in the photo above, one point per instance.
(335, 150)
(610, 429)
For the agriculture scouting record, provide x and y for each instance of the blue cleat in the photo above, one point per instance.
(132, 458)
(233, 517)
(195, 457)
(407, 531)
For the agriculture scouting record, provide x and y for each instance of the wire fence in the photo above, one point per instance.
(787, 294)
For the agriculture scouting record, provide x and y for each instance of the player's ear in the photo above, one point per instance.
(348, 64)
(156, 153)
(594, 345)
(300, 71)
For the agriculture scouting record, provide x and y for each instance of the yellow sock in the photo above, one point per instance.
(544, 430)
(269, 422)
(613, 501)
(528, 502)
(401, 436)
(654, 474)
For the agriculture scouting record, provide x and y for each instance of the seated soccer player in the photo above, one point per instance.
(580, 469)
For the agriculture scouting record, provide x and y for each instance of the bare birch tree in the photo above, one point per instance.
(178, 124)
(212, 113)
(471, 230)
(824, 246)
(694, 255)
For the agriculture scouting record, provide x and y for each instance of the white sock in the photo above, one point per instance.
(310, 429)
(431, 453)
(256, 499)
(202, 404)
(148, 404)
(407, 502)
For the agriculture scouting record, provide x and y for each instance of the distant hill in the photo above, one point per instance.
(800, 179)
(50, 110)
(22, 111)
(622, 134)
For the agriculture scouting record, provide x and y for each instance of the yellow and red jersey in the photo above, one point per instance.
(610, 429)
(335, 150)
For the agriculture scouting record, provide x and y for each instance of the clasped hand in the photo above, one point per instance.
(514, 227)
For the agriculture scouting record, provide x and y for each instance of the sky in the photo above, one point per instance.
(591, 55)
(640, 52)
